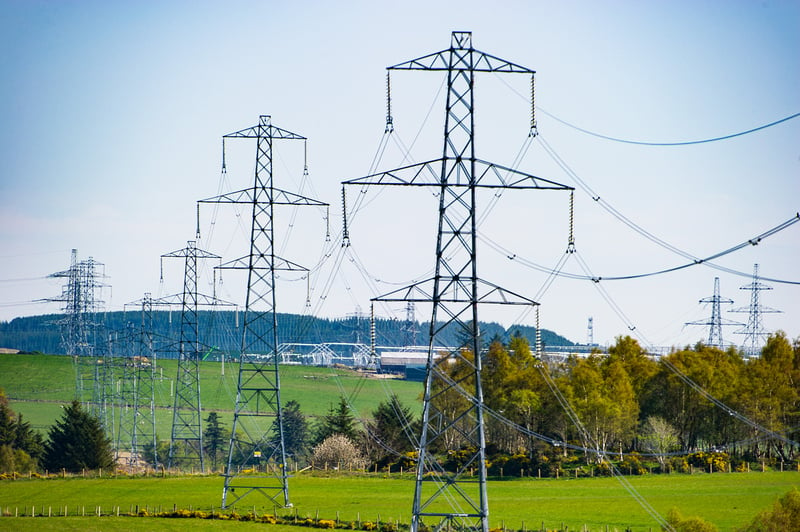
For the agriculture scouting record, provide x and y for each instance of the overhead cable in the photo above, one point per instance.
(679, 143)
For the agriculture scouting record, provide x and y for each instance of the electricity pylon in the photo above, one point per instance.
(137, 427)
(187, 431)
(79, 325)
(456, 499)
(754, 332)
(257, 434)
(715, 322)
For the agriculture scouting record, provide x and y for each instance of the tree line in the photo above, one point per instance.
(220, 330)
(699, 406)
(675, 412)
(75, 443)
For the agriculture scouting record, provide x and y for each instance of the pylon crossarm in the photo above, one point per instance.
(243, 263)
(260, 131)
(487, 175)
(250, 195)
(467, 59)
(509, 178)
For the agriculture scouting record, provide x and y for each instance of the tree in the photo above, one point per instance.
(339, 420)
(215, 438)
(77, 442)
(392, 429)
(295, 430)
(602, 397)
(659, 437)
(771, 390)
(338, 451)
(20, 446)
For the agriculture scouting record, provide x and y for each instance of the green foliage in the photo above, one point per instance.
(215, 439)
(658, 437)
(713, 461)
(339, 420)
(76, 442)
(20, 446)
(784, 515)
(38, 333)
(295, 431)
(390, 431)
(689, 524)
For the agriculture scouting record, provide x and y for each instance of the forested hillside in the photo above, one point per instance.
(220, 330)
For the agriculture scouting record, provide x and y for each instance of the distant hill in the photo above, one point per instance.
(220, 329)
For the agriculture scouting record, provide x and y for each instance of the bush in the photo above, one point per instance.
(632, 466)
(718, 461)
(689, 524)
(784, 515)
(338, 450)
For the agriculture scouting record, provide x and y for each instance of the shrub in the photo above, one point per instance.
(689, 524)
(338, 449)
(632, 465)
(784, 515)
(717, 460)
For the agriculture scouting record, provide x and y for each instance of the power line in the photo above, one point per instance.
(680, 143)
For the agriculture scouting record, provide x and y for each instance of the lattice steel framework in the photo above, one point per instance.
(79, 325)
(754, 331)
(137, 425)
(715, 322)
(443, 498)
(187, 433)
(257, 442)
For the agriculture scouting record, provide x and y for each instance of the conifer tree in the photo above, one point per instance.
(76, 442)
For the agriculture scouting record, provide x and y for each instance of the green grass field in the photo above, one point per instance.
(39, 384)
(729, 500)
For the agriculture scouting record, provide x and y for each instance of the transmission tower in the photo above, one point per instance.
(456, 499)
(754, 332)
(187, 433)
(257, 434)
(410, 327)
(715, 322)
(79, 326)
(137, 426)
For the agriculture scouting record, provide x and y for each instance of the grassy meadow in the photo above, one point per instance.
(728, 500)
(37, 386)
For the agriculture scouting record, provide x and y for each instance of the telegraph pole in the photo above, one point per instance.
(257, 434)
(456, 499)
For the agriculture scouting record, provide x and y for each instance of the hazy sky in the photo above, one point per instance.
(112, 115)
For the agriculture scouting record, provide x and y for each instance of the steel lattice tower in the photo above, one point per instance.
(754, 332)
(715, 322)
(79, 326)
(456, 499)
(137, 426)
(186, 415)
(257, 434)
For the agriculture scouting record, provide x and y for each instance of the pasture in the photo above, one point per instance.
(729, 500)
(37, 386)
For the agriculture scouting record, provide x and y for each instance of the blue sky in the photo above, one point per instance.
(113, 113)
